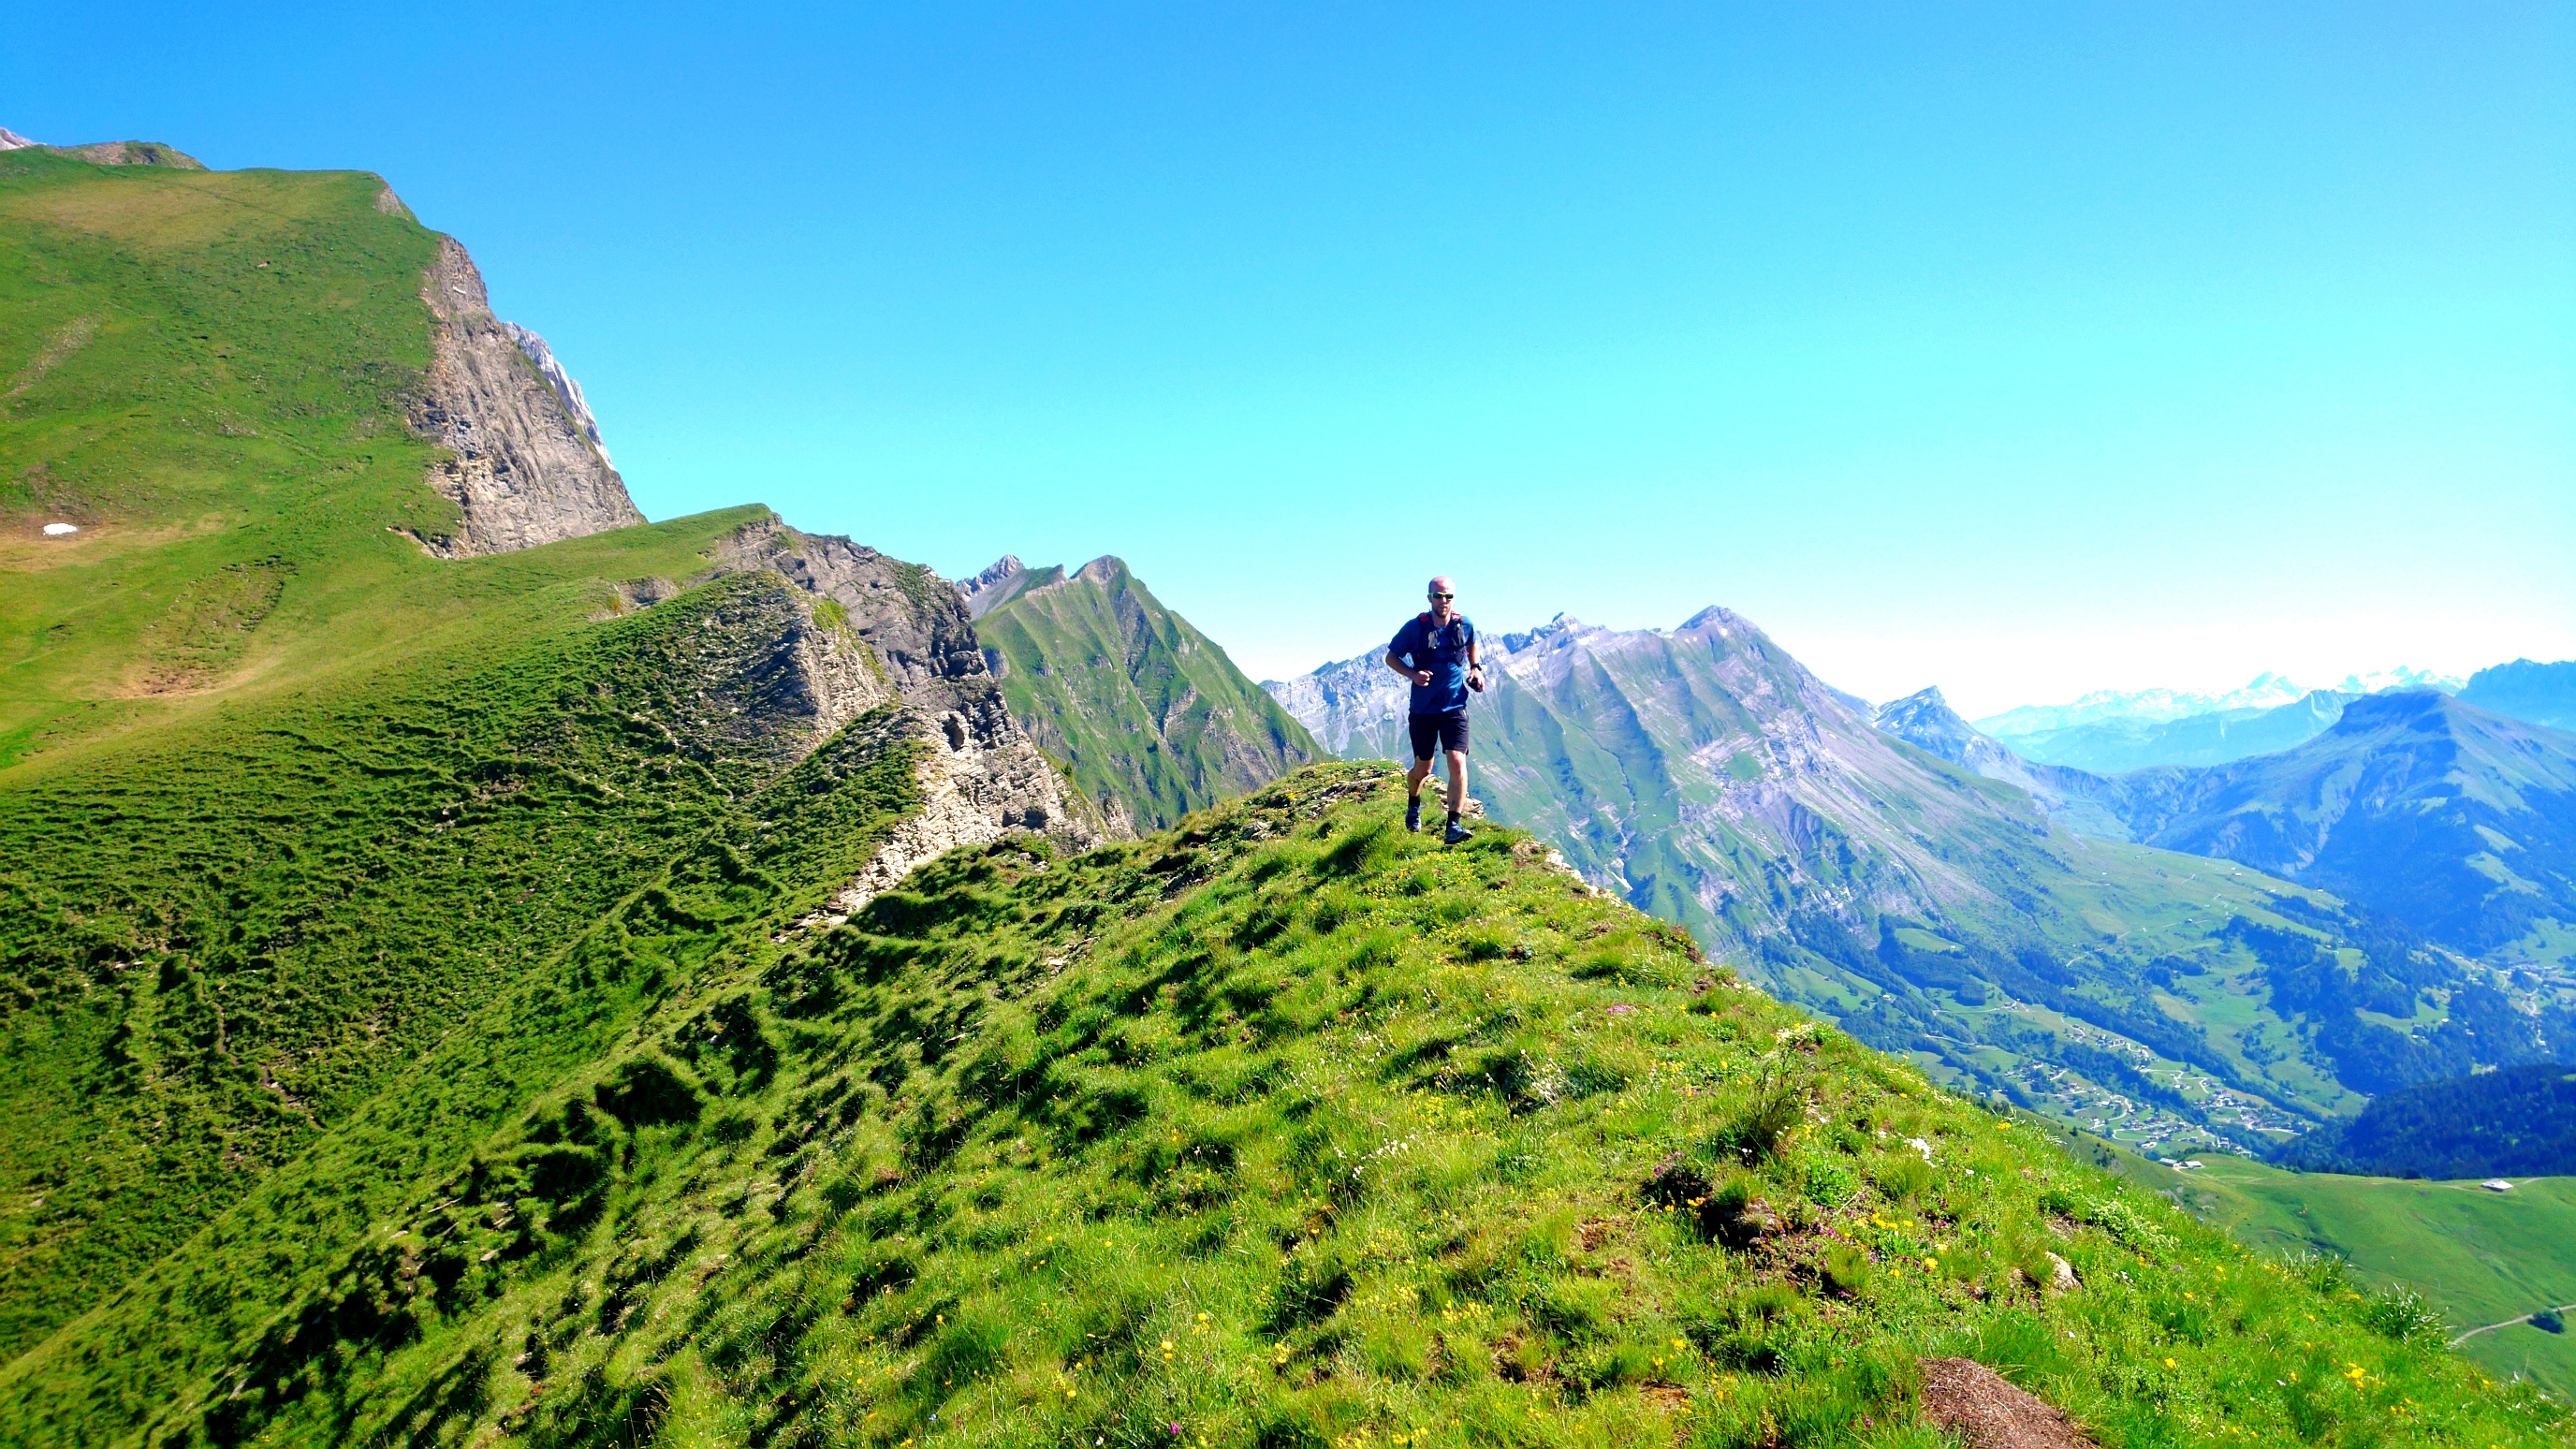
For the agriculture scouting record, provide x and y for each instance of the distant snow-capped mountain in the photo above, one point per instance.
(2268, 690)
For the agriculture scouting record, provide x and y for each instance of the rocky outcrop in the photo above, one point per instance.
(882, 629)
(12, 141)
(534, 348)
(524, 459)
(763, 678)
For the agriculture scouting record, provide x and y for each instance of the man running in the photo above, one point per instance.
(1436, 650)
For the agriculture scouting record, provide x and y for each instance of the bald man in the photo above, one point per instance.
(1436, 651)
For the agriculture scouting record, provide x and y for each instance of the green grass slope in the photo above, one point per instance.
(202, 370)
(2484, 1257)
(2481, 1258)
(1144, 711)
(1282, 1128)
(218, 940)
(290, 799)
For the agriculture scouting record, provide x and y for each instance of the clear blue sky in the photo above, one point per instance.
(2024, 350)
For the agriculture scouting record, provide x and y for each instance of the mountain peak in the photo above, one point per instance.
(1925, 719)
(994, 573)
(12, 141)
(1714, 617)
(1563, 626)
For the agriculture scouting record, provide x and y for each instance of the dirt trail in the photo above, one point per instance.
(2562, 1309)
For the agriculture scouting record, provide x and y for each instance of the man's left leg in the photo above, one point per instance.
(1457, 749)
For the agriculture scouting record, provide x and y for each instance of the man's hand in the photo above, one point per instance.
(1422, 677)
(1476, 680)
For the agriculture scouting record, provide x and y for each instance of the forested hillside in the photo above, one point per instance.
(2517, 1122)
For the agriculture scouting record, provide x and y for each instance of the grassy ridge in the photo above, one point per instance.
(1143, 710)
(204, 371)
(2479, 1257)
(215, 942)
(1287, 1128)
(752, 872)
(290, 796)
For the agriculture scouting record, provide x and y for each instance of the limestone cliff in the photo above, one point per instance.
(524, 458)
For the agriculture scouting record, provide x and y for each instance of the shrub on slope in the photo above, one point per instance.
(1284, 1128)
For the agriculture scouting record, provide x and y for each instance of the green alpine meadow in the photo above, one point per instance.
(479, 968)
(1146, 714)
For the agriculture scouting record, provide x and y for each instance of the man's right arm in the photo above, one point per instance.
(1396, 662)
(1395, 653)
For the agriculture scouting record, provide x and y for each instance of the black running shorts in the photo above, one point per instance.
(1448, 731)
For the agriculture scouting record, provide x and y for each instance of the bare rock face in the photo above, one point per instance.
(525, 460)
(882, 629)
(534, 348)
(990, 587)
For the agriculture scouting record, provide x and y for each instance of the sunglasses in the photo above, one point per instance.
(1444, 596)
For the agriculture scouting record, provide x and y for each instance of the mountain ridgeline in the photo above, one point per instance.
(1708, 778)
(2110, 746)
(1148, 717)
(2541, 694)
(301, 785)
(2459, 822)
(478, 968)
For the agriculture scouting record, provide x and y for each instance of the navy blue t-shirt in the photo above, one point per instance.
(1441, 650)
